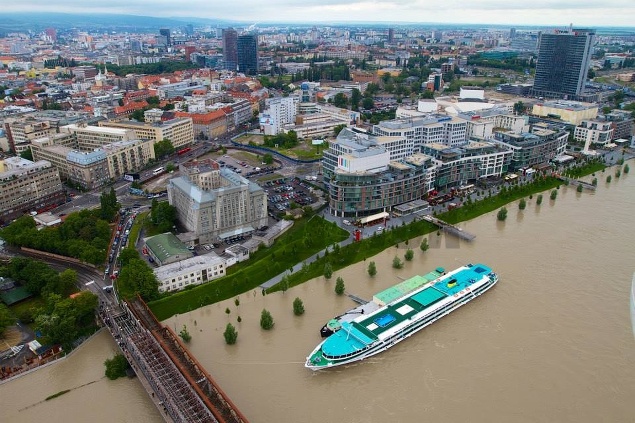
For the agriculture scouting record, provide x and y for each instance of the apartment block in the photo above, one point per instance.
(279, 111)
(594, 132)
(363, 180)
(22, 130)
(27, 186)
(455, 166)
(180, 131)
(432, 129)
(215, 203)
(74, 154)
(537, 147)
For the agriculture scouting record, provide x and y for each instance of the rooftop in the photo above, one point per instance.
(189, 264)
(164, 246)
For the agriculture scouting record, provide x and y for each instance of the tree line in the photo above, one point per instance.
(61, 319)
(83, 235)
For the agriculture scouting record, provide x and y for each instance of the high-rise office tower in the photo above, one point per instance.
(391, 35)
(563, 62)
(165, 32)
(248, 54)
(230, 48)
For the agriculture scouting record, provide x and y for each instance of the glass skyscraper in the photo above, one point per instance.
(563, 62)
(248, 54)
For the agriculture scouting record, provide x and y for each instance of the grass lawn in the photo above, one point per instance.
(304, 239)
(303, 151)
(26, 308)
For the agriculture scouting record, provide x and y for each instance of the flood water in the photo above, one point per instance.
(551, 342)
(93, 398)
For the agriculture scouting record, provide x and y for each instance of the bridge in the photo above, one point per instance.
(449, 228)
(175, 380)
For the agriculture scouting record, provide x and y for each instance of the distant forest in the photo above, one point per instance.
(147, 68)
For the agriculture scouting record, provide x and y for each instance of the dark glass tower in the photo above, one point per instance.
(563, 62)
(248, 54)
(230, 50)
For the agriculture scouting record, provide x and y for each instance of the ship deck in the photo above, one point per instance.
(396, 313)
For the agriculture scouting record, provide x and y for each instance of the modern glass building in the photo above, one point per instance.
(247, 47)
(230, 48)
(563, 62)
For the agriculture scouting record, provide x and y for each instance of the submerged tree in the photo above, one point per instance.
(266, 321)
(409, 254)
(502, 214)
(339, 286)
(230, 334)
(298, 306)
(372, 268)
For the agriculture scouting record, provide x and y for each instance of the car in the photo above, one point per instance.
(346, 222)
(380, 229)
(191, 247)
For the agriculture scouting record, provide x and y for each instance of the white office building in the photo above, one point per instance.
(192, 271)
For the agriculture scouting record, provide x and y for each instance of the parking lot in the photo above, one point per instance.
(283, 193)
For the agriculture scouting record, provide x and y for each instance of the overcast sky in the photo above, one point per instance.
(505, 12)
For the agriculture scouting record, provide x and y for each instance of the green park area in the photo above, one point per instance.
(305, 238)
(287, 144)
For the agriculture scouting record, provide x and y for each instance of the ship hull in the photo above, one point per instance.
(427, 318)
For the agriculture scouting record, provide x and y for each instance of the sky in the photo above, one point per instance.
(559, 13)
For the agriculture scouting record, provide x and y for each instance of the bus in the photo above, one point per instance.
(158, 171)
(183, 151)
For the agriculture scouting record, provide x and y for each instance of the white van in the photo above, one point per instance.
(346, 222)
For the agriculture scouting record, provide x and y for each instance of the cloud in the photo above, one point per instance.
(532, 12)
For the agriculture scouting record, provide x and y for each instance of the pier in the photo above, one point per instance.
(575, 182)
(449, 228)
(358, 300)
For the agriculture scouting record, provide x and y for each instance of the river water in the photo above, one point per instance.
(93, 398)
(551, 342)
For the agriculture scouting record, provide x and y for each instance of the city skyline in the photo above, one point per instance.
(498, 12)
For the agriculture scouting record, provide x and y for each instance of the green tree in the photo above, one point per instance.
(6, 319)
(27, 154)
(298, 306)
(579, 188)
(372, 268)
(116, 367)
(339, 286)
(397, 263)
(137, 277)
(128, 254)
(266, 321)
(163, 148)
(368, 103)
(424, 245)
(267, 159)
(594, 182)
(502, 214)
(519, 107)
(522, 204)
(340, 100)
(338, 128)
(109, 205)
(608, 179)
(328, 270)
(356, 96)
(185, 335)
(553, 194)
(230, 334)
(163, 215)
(539, 200)
(409, 255)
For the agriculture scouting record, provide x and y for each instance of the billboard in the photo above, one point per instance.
(131, 177)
